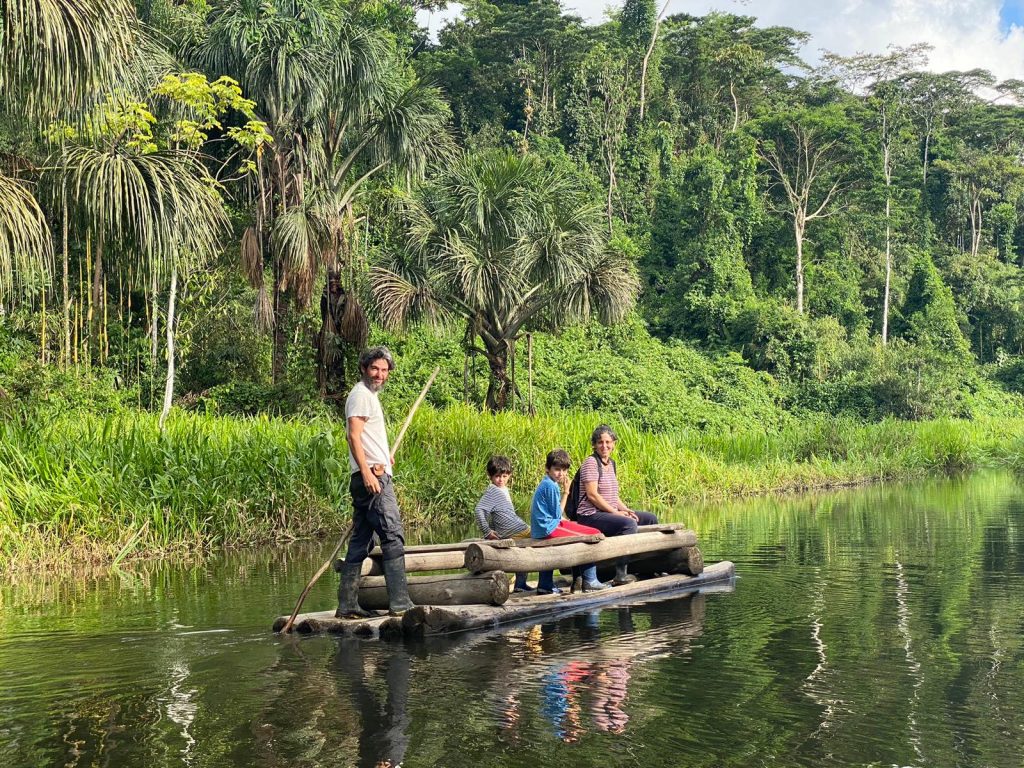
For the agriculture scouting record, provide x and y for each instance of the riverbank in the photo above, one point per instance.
(76, 487)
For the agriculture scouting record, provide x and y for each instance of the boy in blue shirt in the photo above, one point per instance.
(546, 522)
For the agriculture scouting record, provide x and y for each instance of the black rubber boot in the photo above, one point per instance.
(398, 586)
(348, 593)
(622, 576)
(577, 580)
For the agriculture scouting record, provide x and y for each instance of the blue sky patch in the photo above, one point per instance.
(1011, 13)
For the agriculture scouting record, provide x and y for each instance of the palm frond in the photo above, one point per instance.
(299, 235)
(159, 206)
(26, 249)
(252, 257)
(57, 54)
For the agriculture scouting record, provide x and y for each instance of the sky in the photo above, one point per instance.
(966, 34)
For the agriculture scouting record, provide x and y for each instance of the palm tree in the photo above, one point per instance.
(342, 108)
(159, 207)
(54, 57)
(502, 241)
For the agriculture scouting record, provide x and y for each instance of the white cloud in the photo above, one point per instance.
(965, 33)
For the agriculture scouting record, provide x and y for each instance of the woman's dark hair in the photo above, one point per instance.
(499, 465)
(602, 429)
(558, 459)
(372, 354)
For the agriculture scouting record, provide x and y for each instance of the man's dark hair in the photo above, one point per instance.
(602, 429)
(558, 459)
(499, 465)
(373, 354)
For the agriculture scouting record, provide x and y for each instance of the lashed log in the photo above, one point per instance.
(480, 557)
(688, 560)
(427, 620)
(451, 557)
(324, 622)
(459, 589)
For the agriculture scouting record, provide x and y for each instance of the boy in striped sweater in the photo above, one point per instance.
(495, 515)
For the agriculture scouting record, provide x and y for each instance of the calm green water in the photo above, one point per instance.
(880, 626)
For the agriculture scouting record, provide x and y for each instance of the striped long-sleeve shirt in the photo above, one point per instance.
(494, 512)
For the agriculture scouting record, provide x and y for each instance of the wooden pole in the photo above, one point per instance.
(412, 411)
(529, 362)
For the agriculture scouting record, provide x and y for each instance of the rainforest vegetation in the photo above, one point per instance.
(768, 274)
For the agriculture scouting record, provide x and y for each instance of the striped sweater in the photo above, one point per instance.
(494, 512)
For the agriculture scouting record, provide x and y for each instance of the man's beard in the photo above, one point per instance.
(372, 385)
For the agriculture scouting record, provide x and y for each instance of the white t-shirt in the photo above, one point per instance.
(364, 403)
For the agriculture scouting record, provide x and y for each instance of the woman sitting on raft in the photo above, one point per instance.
(599, 503)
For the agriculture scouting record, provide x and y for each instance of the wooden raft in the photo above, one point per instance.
(428, 620)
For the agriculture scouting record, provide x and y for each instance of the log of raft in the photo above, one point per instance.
(425, 557)
(428, 620)
(460, 589)
(452, 557)
(688, 560)
(425, 620)
(481, 557)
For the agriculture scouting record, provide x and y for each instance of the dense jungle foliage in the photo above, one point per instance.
(672, 222)
(275, 182)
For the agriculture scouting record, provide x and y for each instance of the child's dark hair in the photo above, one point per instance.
(558, 459)
(499, 465)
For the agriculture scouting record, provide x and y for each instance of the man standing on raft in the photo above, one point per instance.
(374, 506)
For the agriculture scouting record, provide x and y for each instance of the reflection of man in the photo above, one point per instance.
(384, 735)
(374, 506)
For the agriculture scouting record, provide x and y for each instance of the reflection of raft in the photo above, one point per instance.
(665, 558)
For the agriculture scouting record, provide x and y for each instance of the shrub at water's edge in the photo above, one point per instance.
(78, 486)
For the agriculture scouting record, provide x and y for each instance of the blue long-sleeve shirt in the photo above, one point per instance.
(545, 509)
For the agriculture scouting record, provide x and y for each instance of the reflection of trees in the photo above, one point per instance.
(827, 627)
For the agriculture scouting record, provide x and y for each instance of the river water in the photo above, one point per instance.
(880, 626)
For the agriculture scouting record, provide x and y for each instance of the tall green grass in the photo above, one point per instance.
(83, 486)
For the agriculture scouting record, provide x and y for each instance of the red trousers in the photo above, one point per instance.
(569, 528)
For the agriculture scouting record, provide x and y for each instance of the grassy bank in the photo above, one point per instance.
(76, 486)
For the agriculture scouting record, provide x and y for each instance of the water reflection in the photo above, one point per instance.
(380, 694)
(879, 626)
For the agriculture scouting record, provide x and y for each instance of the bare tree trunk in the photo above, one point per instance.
(42, 336)
(67, 290)
(154, 333)
(735, 107)
(611, 185)
(500, 387)
(924, 173)
(647, 60)
(975, 226)
(798, 233)
(96, 302)
(529, 363)
(169, 385)
(888, 271)
(279, 363)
